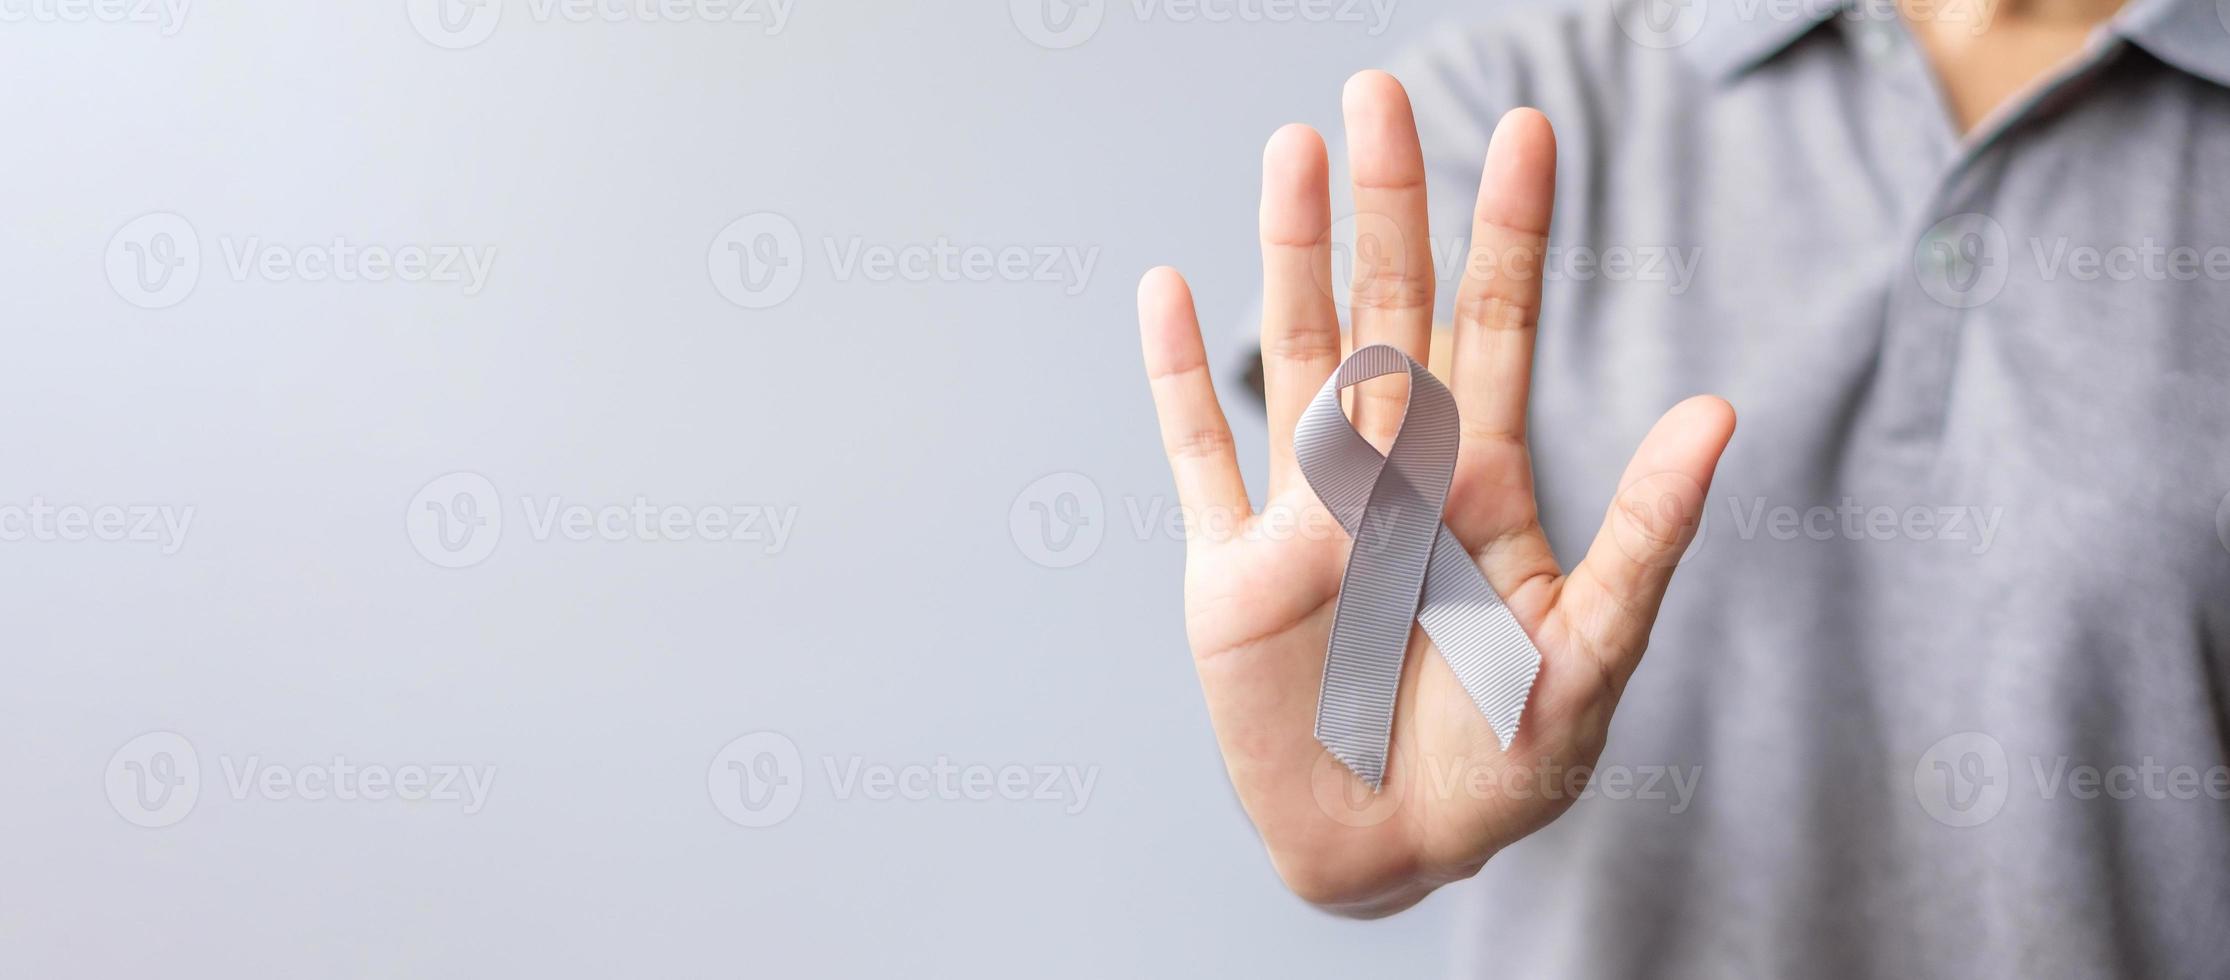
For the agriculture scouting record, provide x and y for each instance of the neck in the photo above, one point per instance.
(1985, 52)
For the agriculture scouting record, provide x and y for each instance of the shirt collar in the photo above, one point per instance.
(1738, 35)
(2193, 35)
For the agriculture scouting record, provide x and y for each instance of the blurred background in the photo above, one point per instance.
(657, 488)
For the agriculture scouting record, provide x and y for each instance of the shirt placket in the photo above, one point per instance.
(1953, 253)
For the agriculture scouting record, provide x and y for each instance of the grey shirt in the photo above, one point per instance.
(1945, 673)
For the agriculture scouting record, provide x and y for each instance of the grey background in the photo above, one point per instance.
(907, 618)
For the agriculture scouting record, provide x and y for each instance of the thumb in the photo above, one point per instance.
(1612, 597)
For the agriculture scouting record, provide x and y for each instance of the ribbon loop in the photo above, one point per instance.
(1405, 567)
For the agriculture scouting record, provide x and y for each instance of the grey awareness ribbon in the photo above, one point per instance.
(1405, 567)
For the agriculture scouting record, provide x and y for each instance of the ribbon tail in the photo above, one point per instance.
(1479, 637)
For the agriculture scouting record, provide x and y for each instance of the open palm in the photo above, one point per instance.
(1260, 586)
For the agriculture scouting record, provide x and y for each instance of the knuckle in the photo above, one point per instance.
(1656, 521)
(1202, 443)
(1481, 435)
(1651, 526)
(1304, 345)
(1517, 528)
(1492, 310)
(1534, 237)
(1392, 286)
(1285, 238)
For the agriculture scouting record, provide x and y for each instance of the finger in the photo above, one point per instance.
(1613, 596)
(1498, 302)
(1391, 301)
(1193, 430)
(1497, 307)
(1300, 325)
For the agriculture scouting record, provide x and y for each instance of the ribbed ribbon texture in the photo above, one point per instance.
(1405, 567)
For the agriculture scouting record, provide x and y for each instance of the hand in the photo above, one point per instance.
(1259, 587)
